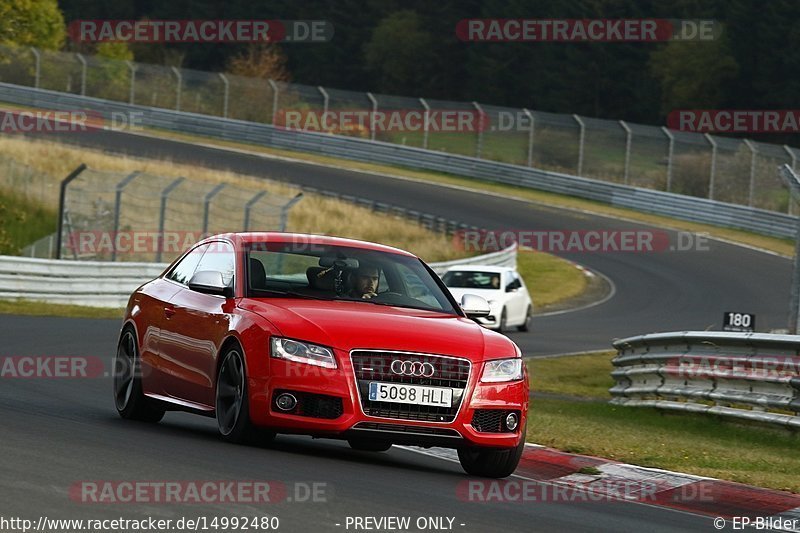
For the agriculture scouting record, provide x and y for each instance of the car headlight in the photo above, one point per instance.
(302, 352)
(501, 370)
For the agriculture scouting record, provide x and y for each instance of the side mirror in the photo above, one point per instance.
(512, 287)
(474, 306)
(210, 282)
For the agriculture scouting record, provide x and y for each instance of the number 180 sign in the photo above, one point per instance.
(733, 321)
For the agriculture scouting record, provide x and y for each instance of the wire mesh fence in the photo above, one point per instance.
(706, 166)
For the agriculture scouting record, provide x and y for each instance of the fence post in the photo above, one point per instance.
(426, 123)
(752, 147)
(61, 199)
(225, 94)
(83, 73)
(118, 206)
(793, 181)
(481, 118)
(285, 210)
(162, 213)
(132, 68)
(275, 92)
(207, 203)
(372, 119)
(179, 79)
(248, 206)
(628, 139)
(581, 141)
(530, 136)
(789, 151)
(712, 176)
(325, 99)
(670, 152)
(38, 68)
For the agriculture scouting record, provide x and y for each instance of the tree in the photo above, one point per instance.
(32, 23)
(265, 61)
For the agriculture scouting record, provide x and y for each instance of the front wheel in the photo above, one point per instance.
(491, 462)
(130, 401)
(501, 326)
(232, 405)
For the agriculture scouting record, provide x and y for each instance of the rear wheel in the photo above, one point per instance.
(526, 326)
(491, 462)
(232, 404)
(130, 401)
(369, 445)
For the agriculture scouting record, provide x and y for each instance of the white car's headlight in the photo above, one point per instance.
(302, 352)
(501, 370)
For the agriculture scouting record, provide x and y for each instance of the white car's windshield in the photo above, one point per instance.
(468, 279)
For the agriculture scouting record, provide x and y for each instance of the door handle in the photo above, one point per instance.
(169, 312)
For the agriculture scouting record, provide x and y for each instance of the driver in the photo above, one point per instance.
(365, 282)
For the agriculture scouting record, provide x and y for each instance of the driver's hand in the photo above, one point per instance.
(368, 295)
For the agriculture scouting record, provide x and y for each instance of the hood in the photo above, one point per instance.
(348, 325)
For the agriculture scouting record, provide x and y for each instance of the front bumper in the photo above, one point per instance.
(339, 388)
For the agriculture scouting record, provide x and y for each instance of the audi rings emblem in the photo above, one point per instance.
(416, 369)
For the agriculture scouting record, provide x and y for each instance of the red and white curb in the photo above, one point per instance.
(561, 477)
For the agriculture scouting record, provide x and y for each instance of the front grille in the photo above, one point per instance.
(490, 420)
(449, 372)
(399, 428)
(312, 405)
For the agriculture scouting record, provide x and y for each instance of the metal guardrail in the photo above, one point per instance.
(663, 203)
(751, 376)
(107, 284)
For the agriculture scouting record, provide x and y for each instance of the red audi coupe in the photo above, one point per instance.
(286, 333)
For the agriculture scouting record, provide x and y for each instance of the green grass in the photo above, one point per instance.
(549, 279)
(31, 308)
(22, 222)
(698, 444)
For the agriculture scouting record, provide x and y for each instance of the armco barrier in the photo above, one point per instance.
(658, 202)
(752, 376)
(107, 284)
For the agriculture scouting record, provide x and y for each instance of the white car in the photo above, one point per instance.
(502, 287)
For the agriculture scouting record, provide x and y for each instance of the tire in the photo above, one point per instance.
(232, 405)
(130, 401)
(501, 326)
(526, 326)
(369, 445)
(491, 462)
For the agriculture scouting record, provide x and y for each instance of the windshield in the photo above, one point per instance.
(344, 273)
(467, 279)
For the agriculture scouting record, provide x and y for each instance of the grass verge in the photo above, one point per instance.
(22, 221)
(550, 279)
(31, 308)
(697, 444)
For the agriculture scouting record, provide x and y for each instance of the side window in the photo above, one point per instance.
(219, 258)
(183, 271)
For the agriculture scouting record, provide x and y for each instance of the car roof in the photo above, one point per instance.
(305, 238)
(479, 268)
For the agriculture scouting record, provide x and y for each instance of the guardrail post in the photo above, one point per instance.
(38, 68)
(118, 206)
(752, 171)
(61, 199)
(793, 181)
(426, 123)
(481, 118)
(790, 209)
(248, 206)
(581, 141)
(373, 117)
(162, 213)
(325, 98)
(285, 210)
(207, 203)
(670, 153)
(225, 94)
(628, 139)
(530, 136)
(132, 90)
(84, 66)
(275, 92)
(712, 176)
(179, 79)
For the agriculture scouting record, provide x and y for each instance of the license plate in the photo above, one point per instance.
(413, 394)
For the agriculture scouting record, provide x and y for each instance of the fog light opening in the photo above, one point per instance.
(286, 402)
(512, 421)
